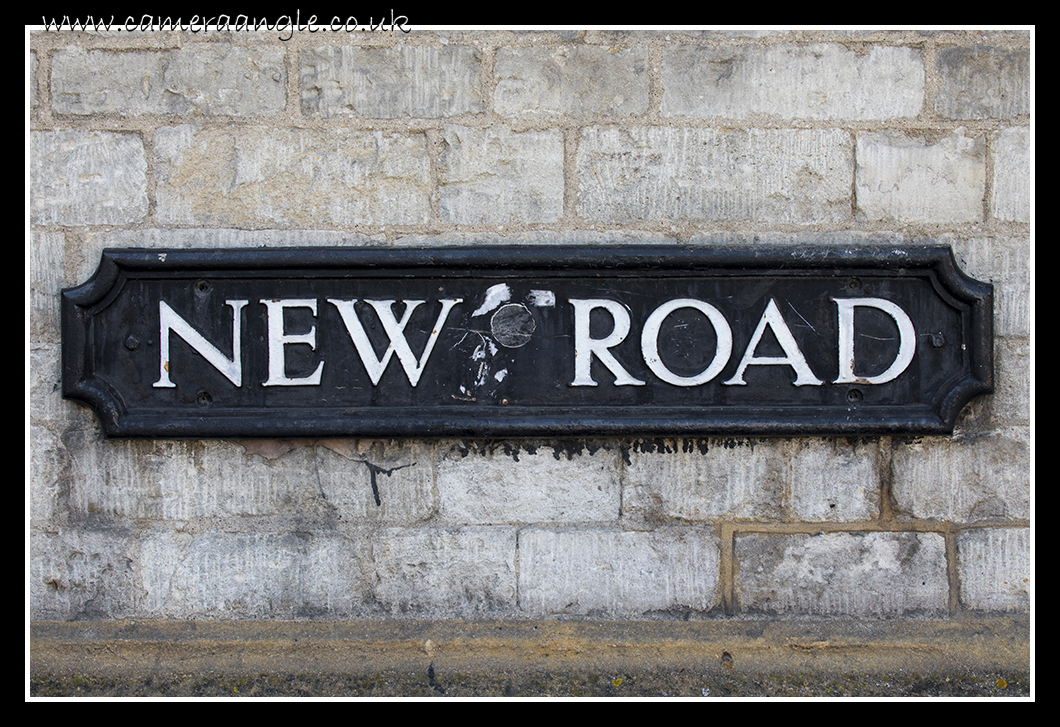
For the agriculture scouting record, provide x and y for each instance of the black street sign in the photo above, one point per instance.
(523, 341)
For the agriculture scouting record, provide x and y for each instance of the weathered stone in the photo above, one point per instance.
(46, 281)
(202, 78)
(498, 176)
(842, 574)
(291, 575)
(1012, 175)
(835, 481)
(164, 480)
(81, 574)
(457, 572)
(651, 173)
(386, 83)
(87, 178)
(1005, 262)
(792, 82)
(604, 572)
(994, 568)
(973, 478)
(705, 480)
(292, 177)
(545, 485)
(983, 82)
(914, 179)
(571, 79)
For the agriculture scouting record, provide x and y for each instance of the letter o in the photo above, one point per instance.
(649, 342)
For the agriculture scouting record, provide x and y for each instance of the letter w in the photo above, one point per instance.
(395, 331)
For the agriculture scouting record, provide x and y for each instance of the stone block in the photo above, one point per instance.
(46, 281)
(649, 173)
(449, 572)
(835, 481)
(387, 83)
(1012, 175)
(705, 480)
(290, 575)
(47, 466)
(994, 569)
(610, 573)
(178, 480)
(978, 477)
(1005, 262)
(208, 79)
(255, 176)
(821, 81)
(573, 80)
(885, 574)
(983, 82)
(498, 176)
(87, 178)
(539, 484)
(920, 179)
(81, 574)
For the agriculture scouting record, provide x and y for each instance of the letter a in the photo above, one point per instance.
(792, 355)
(395, 330)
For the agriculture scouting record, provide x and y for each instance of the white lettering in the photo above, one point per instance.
(395, 331)
(906, 340)
(649, 342)
(585, 347)
(169, 321)
(277, 340)
(792, 355)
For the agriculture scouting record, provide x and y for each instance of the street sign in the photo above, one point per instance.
(527, 341)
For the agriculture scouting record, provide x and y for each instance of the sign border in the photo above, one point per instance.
(498, 261)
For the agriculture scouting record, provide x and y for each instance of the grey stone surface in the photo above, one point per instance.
(974, 478)
(300, 574)
(544, 485)
(1005, 262)
(395, 82)
(81, 574)
(920, 179)
(208, 79)
(842, 574)
(1012, 175)
(821, 81)
(190, 480)
(46, 280)
(578, 80)
(651, 173)
(257, 177)
(705, 480)
(835, 481)
(87, 178)
(983, 82)
(462, 572)
(499, 176)
(605, 572)
(994, 568)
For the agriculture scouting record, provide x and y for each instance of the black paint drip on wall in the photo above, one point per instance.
(374, 470)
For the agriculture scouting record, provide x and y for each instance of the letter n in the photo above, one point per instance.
(170, 322)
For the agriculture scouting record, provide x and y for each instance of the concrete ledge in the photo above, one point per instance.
(970, 655)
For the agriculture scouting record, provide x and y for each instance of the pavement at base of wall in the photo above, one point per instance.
(965, 657)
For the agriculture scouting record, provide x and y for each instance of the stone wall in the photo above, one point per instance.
(243, 139)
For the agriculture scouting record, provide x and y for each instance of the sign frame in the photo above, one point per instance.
(81, 332)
